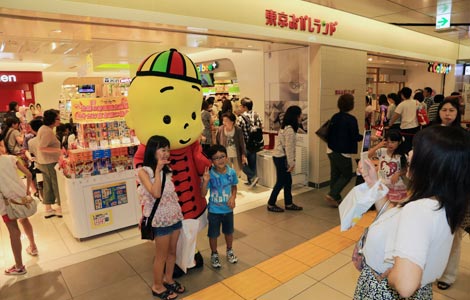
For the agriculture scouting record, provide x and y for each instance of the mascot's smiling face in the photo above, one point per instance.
(167, 107)
(165, 98)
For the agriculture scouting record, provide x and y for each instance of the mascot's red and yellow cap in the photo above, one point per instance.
(170, 63)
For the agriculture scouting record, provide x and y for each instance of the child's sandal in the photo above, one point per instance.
(165, 295)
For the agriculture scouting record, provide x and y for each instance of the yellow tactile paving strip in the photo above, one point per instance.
(251, 283)
(279, 269)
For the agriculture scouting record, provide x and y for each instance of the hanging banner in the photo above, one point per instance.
(95, 110)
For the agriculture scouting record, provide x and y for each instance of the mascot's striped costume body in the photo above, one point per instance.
(165, 99)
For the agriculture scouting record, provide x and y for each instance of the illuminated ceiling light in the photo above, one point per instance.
(68, 50)
(114, 66)
(250, 46)
(369, 59)
(197, 29)
(53, 46)
(56, 31)
(2, 46)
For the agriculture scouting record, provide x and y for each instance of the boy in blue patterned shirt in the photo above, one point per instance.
(222, 181)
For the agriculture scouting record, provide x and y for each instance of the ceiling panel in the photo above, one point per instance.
(366, 8)
(409, 11)
(407, 16)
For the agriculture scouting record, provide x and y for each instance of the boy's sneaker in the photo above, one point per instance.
(231, 257)
(215, 262)
(15, 271)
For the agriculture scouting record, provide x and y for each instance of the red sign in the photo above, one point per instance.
(20, 77)
(342, 92)
(301, 23)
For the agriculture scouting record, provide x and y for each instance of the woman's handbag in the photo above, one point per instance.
(146, 229)
(21, 208)
(357, 256)
(322, 132)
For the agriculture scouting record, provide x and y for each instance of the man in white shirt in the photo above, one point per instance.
(409, 122)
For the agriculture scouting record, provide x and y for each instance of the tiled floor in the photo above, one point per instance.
(293, 255)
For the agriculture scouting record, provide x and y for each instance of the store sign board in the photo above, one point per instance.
(7, 78)
(109, 195)
(443, 14)
(342, 92)
(207, 67)
(95, 110)
(20, 77)
(299, 23)
(440, 68)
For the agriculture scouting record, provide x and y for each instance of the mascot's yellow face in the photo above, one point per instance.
(167, 107)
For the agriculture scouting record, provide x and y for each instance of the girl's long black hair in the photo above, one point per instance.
(153, 144)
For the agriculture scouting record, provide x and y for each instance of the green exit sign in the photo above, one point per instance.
(443, 13)
(443, 21)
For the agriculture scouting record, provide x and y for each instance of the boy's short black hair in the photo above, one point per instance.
(216, 148)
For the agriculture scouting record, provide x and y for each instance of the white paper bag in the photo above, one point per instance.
(186, 246)
(358, 201)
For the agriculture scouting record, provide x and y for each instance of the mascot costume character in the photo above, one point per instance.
(165, 98)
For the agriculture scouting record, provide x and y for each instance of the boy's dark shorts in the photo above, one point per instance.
(215, 220)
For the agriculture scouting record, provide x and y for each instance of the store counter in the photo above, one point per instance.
(99, 204)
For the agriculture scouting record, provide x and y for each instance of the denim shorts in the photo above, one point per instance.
(214, 224)
(161, 231)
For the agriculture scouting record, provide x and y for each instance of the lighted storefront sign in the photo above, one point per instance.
(20, 77)
(440, 68)
(112, 80)
(301, 23)
(207, 67)
(7, 78)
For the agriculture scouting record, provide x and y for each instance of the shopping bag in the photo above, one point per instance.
(322, 132)
(187, 244)
(421, 114)
(358, 201)
(21, 208)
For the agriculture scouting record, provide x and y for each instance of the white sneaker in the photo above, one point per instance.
(254, 181)
(231, 257)
(215, 262)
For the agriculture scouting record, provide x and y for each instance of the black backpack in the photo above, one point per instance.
(255, 142)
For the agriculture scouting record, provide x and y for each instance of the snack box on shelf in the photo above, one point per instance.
(87, 162)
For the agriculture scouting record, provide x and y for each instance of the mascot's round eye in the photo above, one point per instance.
(167, 119)
(193, 115)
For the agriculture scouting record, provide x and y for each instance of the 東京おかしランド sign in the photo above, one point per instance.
(299, 22)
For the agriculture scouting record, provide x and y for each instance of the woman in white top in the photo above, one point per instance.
(284, 160)
(408, 246)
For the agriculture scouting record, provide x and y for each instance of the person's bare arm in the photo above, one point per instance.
(405, 277)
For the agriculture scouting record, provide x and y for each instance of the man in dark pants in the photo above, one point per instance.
(245, 121)
(343, 135)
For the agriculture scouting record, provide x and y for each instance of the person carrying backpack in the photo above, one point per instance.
(252, 127)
